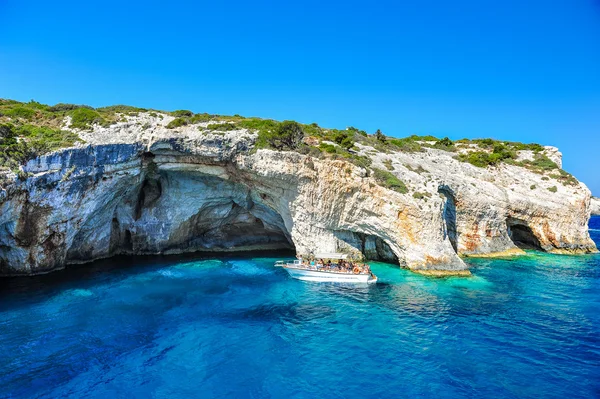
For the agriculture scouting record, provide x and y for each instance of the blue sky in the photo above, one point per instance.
(514, 70)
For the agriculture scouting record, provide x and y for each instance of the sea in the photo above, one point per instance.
(238, 327)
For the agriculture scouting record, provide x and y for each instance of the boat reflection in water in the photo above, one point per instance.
(329, 267)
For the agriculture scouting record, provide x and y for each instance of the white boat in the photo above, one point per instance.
(307, 272)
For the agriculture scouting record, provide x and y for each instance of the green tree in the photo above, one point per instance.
(380, 136)
(445, 142)
(344, 139)
(287, 135)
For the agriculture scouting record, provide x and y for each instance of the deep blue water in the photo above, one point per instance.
(238, 327)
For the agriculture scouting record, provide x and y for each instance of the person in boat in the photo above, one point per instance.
(319, 264)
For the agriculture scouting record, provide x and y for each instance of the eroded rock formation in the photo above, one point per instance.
(160, 191)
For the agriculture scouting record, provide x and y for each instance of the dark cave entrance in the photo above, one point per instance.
(522, 235)
(370, 246)
(231, 226)
(449, 216)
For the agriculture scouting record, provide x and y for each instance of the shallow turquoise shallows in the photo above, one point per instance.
(238, 327)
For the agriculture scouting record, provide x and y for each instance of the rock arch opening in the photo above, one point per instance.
(449, 216)
(521, 234)
(370, 246)
(174, 211)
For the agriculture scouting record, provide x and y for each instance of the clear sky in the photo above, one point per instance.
(513, 70)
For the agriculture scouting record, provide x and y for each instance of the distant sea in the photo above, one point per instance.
(526, 327)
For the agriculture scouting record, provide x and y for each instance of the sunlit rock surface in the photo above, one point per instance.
(596, 206)
(139, 188)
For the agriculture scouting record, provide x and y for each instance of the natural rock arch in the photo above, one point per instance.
(372, 247)
(190, 211)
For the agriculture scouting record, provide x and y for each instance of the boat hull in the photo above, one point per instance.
(323, 276)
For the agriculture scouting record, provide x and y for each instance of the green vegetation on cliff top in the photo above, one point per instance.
(30, 129)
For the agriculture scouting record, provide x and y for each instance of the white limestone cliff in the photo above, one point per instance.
(139, 188)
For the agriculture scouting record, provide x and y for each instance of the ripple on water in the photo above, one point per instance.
(239, 327)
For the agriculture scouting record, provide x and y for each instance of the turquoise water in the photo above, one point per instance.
(238, 327)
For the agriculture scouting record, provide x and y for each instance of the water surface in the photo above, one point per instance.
(238, 327)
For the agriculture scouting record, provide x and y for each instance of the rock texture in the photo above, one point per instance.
(139, 188)
(595, 206)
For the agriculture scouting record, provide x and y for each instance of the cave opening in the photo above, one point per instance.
(229, 226)
(370, 246)
(449, 217)
(521, 235)
(169, 212)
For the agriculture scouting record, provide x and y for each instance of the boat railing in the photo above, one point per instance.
(333, 268)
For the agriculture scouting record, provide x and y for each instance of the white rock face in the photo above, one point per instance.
(595, 206)
(139, 188)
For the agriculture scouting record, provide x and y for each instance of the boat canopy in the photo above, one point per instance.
(332, 255)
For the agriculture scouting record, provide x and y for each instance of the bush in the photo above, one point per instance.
(42, 139)
(380, 136)
(406, 145)
(287, 135)
(223, 127)
(553, 189)
(388, 180)
(177, 122)
(182, 113)
(484, 142)
(418, 195)
(388, 164)
(122, 109)
(198, 118)
(483, 159)
(542, 162)
(60, 107)
(444, 144)
(359, 160)
(344, 139)
(13, 152)
(85, 118)
(20, 112)
(329, 148)
(357, 131)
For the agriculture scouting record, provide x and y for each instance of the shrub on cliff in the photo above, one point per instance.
(287, 135)
(344, 139)
(60, 107)
(13, 152)
(389, 180)
(84, 118)
(177, 122)
(444, 144)
(182, 113)
(484, 159)
(20, 112)
(223, 127)
(406, 145)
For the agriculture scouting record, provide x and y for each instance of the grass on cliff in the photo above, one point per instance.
(82, 116)
(307, 138)
(388, 180)
(20, 143)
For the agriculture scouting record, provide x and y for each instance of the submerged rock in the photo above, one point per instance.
(160, 191)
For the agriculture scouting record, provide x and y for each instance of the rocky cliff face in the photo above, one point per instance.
(139, 188)
(595, 205)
